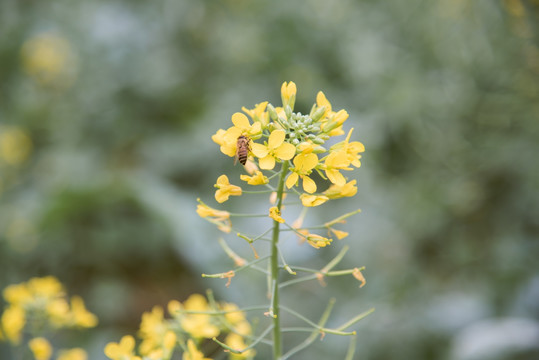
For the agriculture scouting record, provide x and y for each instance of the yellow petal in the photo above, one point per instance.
(267, 163)
(276, 138)
(259, 150)
(310, 162)
(312, 200)
(336, 177)
(309, 185)
(240, 120)
(286, 151)
(291, 180)
(221, 196)
(222, 180)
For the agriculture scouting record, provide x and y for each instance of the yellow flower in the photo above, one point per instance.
(236, 318)
(335, 161)
(41, 348)
(15, 146)
(227, 143)
(258, 114)
(198, 325)
(312, 200)
(48, 58)
(304, 164)
(81, 316)
(73, 354)
(17, 294)
(257, 179)
(275, 214)
(192, 352)
(225, 189)
(174, 307)
(58, 311)
(276, 148)
(321, 100)
(236, 342)
(352, 149)
(47, 287)
(13, 321)
(288, 94)
(331, 121)
(347, 190)
(122, 350)
(152, 330)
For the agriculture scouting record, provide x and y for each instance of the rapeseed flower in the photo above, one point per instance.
(276, 148)
(225, 189)
(41, 348)
(124, 350)
(304, 164)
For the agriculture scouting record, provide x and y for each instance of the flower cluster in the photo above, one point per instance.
(190, 323)
(285, 135)
(40, 305)
(300, 143)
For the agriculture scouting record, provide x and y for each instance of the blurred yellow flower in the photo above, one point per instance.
(41, 348)
(47, 287)
(15, 145)
(49, 60)
(58, 312)
(17, 294)
(198, 325)
(192, 352)
(218, 217)
(236, 342)
(13, 321)
(225, 189)
(338, 233)
(73, 354)
(276, 148)
(81, 316)
(152, 330)
(275, 214)
(122, 350)
(315, 240)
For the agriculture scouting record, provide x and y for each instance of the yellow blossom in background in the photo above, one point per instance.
(152, 330)
(58, 312)
(41, 348)
(312, 200)
(72, 354)
(17, 294)
(288, 94)
(275, 214)
(174, 307)
(347, 190)
(122, 350)
(81, 316)
(192, 352)
(236, 342)
(225, 189)
(48, 58)
(13, 321)
(15, 145)
(257, 179)
(304, 163)
(198, 325)
(47, 287)
(315, 240)
(276, 148)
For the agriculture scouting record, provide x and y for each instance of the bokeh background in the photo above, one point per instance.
(106, 113)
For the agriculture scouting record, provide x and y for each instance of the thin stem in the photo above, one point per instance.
(275, 309)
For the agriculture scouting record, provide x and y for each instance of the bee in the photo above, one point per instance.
(242, 149)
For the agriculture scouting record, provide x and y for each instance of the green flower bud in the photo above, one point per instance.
(318, 113)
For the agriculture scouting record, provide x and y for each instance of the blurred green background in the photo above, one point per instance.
(106, 114)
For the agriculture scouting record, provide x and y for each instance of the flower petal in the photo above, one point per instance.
(286, 151)
(267, 163)
(336, 177)
(259, 150)
(222, 180)
(311, 160)
(221, 196)
(240, 120)
(276, 138)
(308, 184)
(291, 180)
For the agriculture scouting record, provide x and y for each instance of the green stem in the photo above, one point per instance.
(275, 309)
